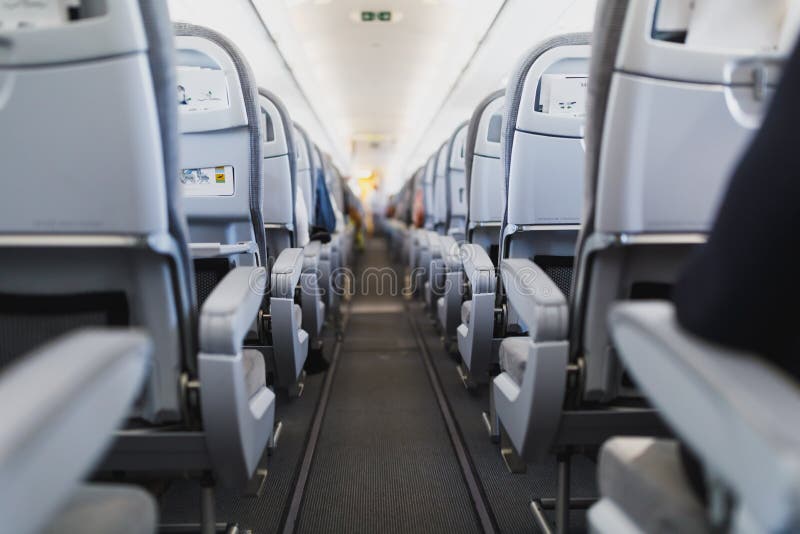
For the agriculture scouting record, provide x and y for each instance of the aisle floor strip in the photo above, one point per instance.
(479, 500)
(295, 504)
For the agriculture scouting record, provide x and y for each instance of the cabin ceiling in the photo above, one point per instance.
(381, 95)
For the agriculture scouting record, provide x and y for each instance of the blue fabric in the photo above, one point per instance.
(324, 214)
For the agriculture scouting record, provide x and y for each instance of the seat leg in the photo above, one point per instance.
(514, 462)
(491, 420)
(208, 524)
(563, 503)
(562, 498)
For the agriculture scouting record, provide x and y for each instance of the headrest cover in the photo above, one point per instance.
(250, 94)
(516, 88)
(287, 128)
(472, 131)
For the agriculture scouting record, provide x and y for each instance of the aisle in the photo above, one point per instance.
(384, 461)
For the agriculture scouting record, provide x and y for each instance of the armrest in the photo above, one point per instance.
(479, 268)
(311, 255)
(217, 250)
(61, 405)
(734, 410)
(451, 253)
(286, 272)
(230, 309)
(536, 298)
(434, 246)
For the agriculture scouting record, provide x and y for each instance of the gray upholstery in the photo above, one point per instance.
(250, 90)
(141, 204)
(466, 311)
(229, 311)
(514, 356)
(472, 134)
(609, 20)
(106, 509)
(733, 411)
(646, 479)
(536, 298)
(516, 85)
(53, 436)
(161, 53)
(255, 370)
(309, 187)
(298, 315)
(289, 130)
(290, 141)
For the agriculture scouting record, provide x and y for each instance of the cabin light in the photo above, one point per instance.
(364, 174)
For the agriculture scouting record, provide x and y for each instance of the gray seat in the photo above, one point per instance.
(513, 356)
(732, 413)
(542, 160)
(420, 260)
(125, 261)
(106, 509)
(652, 185)
(486, 197)
(644, 487)
(452, 292)
(466, 311)
(448, 194)
(100, 374)
(290, 341)
(227, 223)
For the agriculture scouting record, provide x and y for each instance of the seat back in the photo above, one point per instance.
(484, 174)
(543, 155)
(221, 167)
(456, 184)
(305, 171)
(428, 179)
(655, 172)
(440, 189)
(280, 173)
(110, 217)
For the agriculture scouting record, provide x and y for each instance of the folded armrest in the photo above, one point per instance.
(311, 256)
(479, 269)
(230, 310)
(536, 298)
(61, 405)
(218, 250)
(451, 253)
(735, 411)
(286, 272)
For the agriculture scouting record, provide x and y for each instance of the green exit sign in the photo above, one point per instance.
(371, 16)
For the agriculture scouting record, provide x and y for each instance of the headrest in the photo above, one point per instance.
(217, 48)
(542, 154)
(485, 129)
(430, 169)
(277, 127)
(440, 184)
(51, 33)
(456, 186)
(483, 141)
(693, 42)
(302, 147)
(210, 94)
(458, 148)
(125, 155)
(545, 92)
(710, 100)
